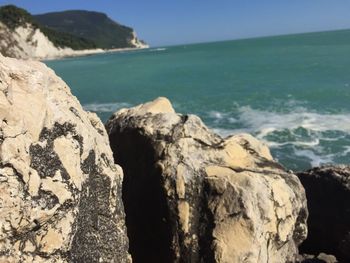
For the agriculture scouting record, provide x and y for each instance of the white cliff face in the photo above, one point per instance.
(137, 43)
(60, 192)
(27, 42)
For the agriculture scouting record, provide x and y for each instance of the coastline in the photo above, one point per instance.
(88, 52)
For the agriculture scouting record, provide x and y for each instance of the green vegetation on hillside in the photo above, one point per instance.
(62, 39)
(94, 26)
(14, 17)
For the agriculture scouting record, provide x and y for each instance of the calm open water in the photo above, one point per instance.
(293, 92)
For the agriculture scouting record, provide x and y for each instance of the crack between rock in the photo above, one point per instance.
(15, 136)
(241, 170)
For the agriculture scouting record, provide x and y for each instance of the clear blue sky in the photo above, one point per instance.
(167, 22)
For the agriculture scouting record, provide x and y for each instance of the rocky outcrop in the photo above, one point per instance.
(59, 187)
(192, 196)
(328, 195)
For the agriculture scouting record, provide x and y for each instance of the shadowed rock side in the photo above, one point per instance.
(191, 196)
(328, 194)
(60, 191)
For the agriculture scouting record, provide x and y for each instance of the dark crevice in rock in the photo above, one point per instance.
(152, 216)
(206, 227)
(147, 217)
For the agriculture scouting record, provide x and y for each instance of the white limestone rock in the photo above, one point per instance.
(192, 196)
(60, 191)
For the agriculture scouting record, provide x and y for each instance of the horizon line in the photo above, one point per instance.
(252, 37)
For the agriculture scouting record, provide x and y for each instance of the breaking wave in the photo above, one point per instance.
(105, 107)
(157, 49)
(299, 135)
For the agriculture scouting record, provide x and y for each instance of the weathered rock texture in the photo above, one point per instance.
(191, 196)
(328, 194)
(60, 192)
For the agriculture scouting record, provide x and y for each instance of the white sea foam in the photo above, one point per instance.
(105, 107)
(217, 115)
(265, 121)
(311, 143)
(315, 159)
(221, 116)
(157, 49)
(302, 131)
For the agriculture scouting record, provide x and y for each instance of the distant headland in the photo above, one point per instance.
(61, 34)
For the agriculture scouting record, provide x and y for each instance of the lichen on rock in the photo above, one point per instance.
(60, 191)
(192, 196)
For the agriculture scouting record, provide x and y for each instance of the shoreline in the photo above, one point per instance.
(89, 52)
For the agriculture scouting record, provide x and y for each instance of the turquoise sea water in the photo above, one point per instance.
(293, 92)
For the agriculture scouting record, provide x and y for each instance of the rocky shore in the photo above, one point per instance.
(151, 185)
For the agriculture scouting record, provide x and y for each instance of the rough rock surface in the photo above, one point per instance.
(328, 194)
(60, 192)
(191, 196)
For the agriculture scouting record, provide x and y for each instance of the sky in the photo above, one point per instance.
(172, 22)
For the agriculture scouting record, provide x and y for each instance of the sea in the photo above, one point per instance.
(292, 92)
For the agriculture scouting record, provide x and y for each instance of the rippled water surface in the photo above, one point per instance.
(291, 92)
